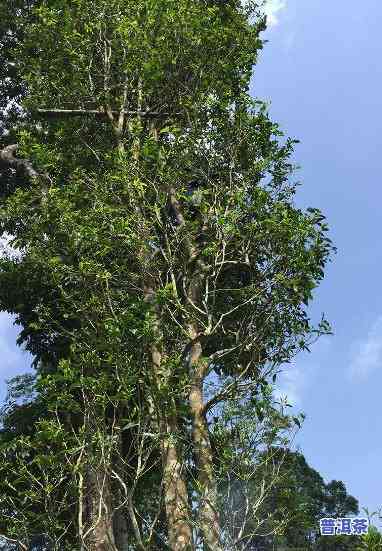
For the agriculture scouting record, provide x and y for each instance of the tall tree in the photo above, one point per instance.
(163, 268)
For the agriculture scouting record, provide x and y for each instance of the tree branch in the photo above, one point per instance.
(7, 158)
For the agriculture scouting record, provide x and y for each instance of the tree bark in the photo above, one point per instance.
(99, 511)
(175, 489)
(97, 532)
(121, 533)
(7, 158)
(176, 495)
(208, 506)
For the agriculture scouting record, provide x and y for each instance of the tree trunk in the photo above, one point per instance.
(208, 507)
(99, 511)
(121, 534)
(175, 489)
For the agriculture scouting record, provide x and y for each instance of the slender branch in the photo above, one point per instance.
(226, 392)
(134, 522)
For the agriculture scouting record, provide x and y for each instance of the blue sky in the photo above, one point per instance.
(322, 72)
(321, 69)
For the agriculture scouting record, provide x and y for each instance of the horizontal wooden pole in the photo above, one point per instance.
(53, 113)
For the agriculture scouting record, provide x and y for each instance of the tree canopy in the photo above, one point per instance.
(162, 275)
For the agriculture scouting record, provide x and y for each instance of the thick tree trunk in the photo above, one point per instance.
(208, 507)
(99, 511)
(120, 528)
(175, 490)
(177, 508)
(96, 522)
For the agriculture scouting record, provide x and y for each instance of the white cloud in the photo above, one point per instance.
(367, 356)
(272, 9)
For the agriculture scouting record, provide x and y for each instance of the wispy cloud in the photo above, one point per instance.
(272, 9)
(367, 356)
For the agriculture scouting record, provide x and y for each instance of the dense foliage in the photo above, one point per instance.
(161, 277)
